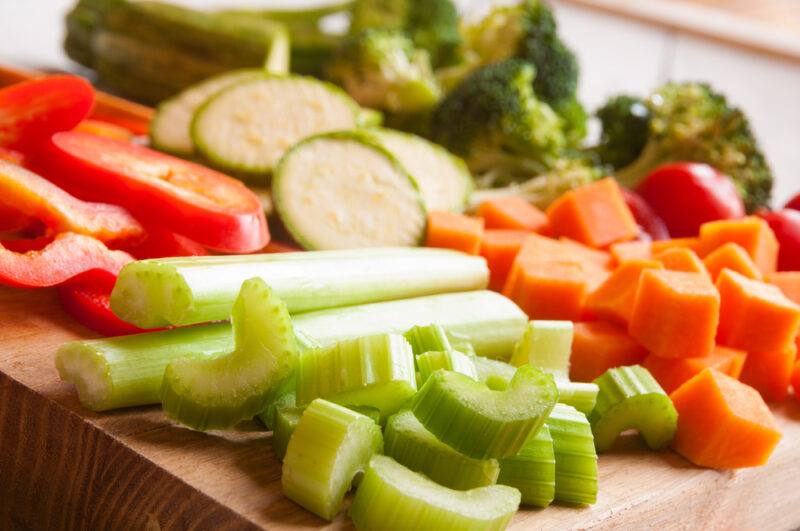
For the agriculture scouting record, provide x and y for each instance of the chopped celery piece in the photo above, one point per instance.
(283, 396)
(428, 338)
(408, 442)
(190, 290)
(576, 458)
(630, 397)
(461, 343)
(393, 498)
(546, 344)
(580, 395)
(371, 412)
(217, 393)
(533, 470)
(452, 360)
(329, 446)
(376, 371)
(286, 420)
(480, 422)
(494, 373)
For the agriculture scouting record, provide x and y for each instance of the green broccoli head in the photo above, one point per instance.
(384, 70)
(626, 127)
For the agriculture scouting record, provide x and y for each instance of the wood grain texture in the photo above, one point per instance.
(63, 467)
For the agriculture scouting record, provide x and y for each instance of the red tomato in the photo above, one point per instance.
(786, 226)
(204, 205)
(687, 194)
(794, 203)
(650, 223)
(30, 112)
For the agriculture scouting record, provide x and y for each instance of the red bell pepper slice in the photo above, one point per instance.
(31, 111)
(86, 299)
(9, 155)
(189, 199)
(106, 129)
(38, 198)
(160, 243)
(66, 257)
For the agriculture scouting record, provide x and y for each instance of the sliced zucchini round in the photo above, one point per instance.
(443, 178)
(247, 127)
(343, 190)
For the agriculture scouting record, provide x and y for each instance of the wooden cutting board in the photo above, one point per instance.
(63, 467)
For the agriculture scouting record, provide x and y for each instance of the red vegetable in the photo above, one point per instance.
(160, 243)
(87, 301)
(786, 226)
(33, 110)
(794, 203)
(202, 204)
(650, 223)
(687, 194)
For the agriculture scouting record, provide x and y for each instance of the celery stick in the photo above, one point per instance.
(286, 420)
(408, 442)
(452, 360)
(283, 396)
(547, 345)
(393, 498)
(533, 470)
(576, 458)
(190, 290)
(631, 398)
(217, 393)
(376, 371)
(461, 343)
(329, 446)
(427, 338)
(372, 413)
(495, 374)
(580, 395)
(480, 422)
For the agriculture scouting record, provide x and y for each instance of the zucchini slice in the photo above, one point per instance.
(343, 190)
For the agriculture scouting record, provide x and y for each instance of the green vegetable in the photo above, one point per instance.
(375, 371)
(286, 421)
(547, 345)
(183, 291)
(449, 360)
(218, 392)
(392, 498)
(372, 413)
(631, 398)
(426, 338)
(408, 442)
(480, 422)
(576, 458)
(582, 396)
(533, 470)
(329, 446)
(625, 122)
(283, 396)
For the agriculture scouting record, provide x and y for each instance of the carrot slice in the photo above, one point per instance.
(454, 231)
(500, 247)
(788, 282)
(614, 299)
(513, 213)
(635, 250)
(598, 346)
(659, 246)
(755, 316)
(723, 423)
(770, 373)
(731, 256)
(594, 214)
(580, 251)
(752, 234)
(672, 373)
(681, 259)
(675, 314)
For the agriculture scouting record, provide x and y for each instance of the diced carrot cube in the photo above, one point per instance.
(635, 250)
(681, 259)
(598, 346)
(796, 379)
(671, 373)
(450, 230)
(723, 423)
(752, 234)
(731, 256)
(513, 213)
(659, 246)
(613, 299)
(500, 247)
(788, 282)
(755, 316)
(675, 314)
(594, 214)
(770, 373)
(582, 252)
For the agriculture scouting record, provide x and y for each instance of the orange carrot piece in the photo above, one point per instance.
(635, 250)
(751, 233)
(675, 314)
(613, 299)
(659, 246)
(578, 250)
(788, 282)
(671, 373)
(454, 231)
(594, 214)
(513, 213)
(598, 346)
(770, 373)
(755, 316)
(731, 256)
(500, 247)
(796, 379)
(681, 259)
(723, 423)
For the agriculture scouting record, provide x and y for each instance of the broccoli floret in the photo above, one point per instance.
(626, 127)
(384, 70)
(692, 122)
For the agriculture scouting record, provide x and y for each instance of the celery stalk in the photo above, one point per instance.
(533, 470)
(190, 290)
(547, 345)
(218, 392)
(286, 420)
(576, 458)
(393, 498)
(428, 338)
(283, 396)
(451, 360)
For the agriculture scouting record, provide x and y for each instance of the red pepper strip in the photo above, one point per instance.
(12, 156)
(11, 219)
(37, 197)
(106, 129)
(212, 209)
(160, 243)
(27, 244)
(66, 257)
(31, 111)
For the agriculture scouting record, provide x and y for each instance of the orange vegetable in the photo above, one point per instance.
(514, 213)
(752, 234)
(598, 346)
(733, 257)
(659, 246)
(770, 373)
(681, 259)
(106, 129)
(500, 247)
(454, 231)
(580, 251)
(594, 214)
(675, 314)
(755, 316)
(635, 250)
(796, 379)
(672, 373)
(788, 282)
(614, 299)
